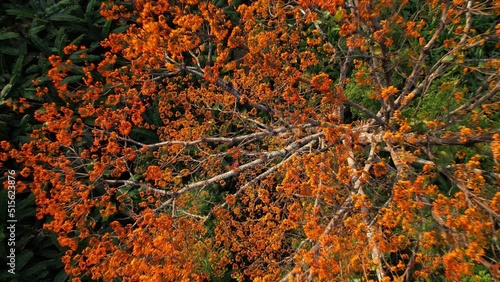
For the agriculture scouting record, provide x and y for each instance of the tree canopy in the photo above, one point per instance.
(274, 140)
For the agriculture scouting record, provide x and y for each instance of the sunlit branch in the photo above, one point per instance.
(265, 157)
(227, 86)
(411, 80)
(269, 171)
(140, 185)
(365, 110)
(193, 215)
(357, 181)
(493, 175)
(346, 207)
(455, 139)
(473, 103)
(468, 21)
(403, 100)
(228, 140)
(460, 237)
(463, 188)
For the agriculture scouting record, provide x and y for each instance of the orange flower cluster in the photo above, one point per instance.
(272, 140)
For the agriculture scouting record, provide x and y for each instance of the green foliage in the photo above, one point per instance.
(481, 274)
(37, 255)
(30, 32)
(357, 94)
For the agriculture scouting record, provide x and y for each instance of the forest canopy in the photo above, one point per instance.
(267, 140)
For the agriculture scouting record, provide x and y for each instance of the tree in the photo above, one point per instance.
(30, 32)
(309, 140)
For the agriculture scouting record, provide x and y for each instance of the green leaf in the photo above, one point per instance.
(38, 268)
(338, 15)
(22, 214)
(6, 276)
(59, 42)
(9, 35)
(23, 258)
(53, 237)
(77, 40)
(43, 80)
(36, 29)
(448, 58)
(33, 69)
(75, 57)
(105, 29)
(9, 51)
(120, 29)
(58, 6)
(65, 18)
(72, 79)
(18, 66)
(23, 236)
(125, 189)
(90, 58)
(20, 12)
(30, 200)
(50, 253)
(61, 276)
(90, 8)
(40, 44)
(25, 123)
(5, 91)
(3, 203)
(444, 158)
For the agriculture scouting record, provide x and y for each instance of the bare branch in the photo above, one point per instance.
(228, 140)
(410, 81)
(141, 185)
(358, 187)
(266, 173)
(365, 110)
(463, 188)
(473, 103)
(346, 206)
(238, 170)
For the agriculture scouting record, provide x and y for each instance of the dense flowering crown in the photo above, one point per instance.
(309, 140)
